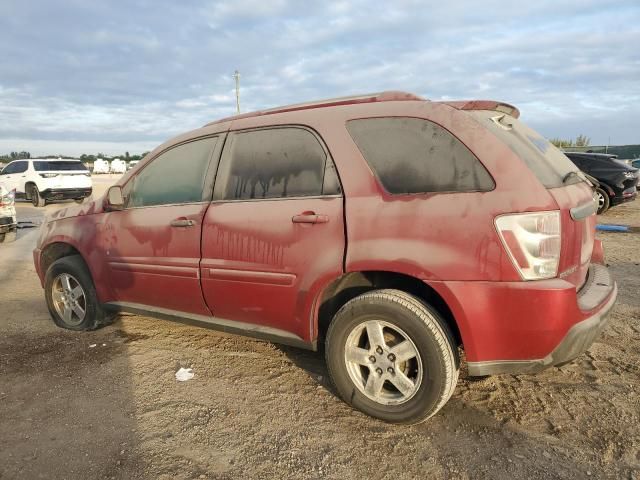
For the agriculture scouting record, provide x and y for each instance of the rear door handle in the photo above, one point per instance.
(309, 217)
(182, 222)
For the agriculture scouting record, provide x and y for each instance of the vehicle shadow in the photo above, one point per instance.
(463, 440)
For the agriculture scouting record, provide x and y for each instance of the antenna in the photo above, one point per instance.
(236, 75)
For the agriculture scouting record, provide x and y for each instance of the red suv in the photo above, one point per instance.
(393, 230)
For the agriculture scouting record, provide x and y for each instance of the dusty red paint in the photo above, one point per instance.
(255, 265)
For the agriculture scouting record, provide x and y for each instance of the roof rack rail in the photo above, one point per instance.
(387, 96)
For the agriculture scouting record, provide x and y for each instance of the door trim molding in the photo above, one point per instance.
(261, 332)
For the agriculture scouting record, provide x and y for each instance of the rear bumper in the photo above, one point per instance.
(577, 341)
(7, 224)
(627, 195)
(525, 327)
(65, 193)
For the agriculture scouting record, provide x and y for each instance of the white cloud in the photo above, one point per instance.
(124, 72)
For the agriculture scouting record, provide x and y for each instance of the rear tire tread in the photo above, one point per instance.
(438, 329)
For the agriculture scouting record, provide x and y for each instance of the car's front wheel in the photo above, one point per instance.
(392, 356)
(71, 296)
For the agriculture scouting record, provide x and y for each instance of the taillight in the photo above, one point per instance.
(8, 199)
(532, 241)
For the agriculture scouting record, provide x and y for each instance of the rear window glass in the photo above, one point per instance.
(57, 166)
(413, 155)
(547, 162)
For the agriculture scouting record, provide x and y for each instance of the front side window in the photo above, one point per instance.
(15, 167)
(413, 155)
(272, 163)
(176, 176)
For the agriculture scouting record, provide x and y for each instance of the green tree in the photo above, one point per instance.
(561, 143)
(582, 141)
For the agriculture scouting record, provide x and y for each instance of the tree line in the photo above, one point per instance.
(87, 158)
(580, 141)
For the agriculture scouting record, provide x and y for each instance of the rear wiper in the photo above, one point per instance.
(581, 175)
(571, 174)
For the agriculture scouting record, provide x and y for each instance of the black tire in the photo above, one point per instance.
(603, 200)
(95, 315)
(435, 379)
(36, 198)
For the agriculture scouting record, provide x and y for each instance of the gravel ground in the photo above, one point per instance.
(106, 404)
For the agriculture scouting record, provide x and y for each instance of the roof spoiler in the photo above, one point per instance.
(485, 105)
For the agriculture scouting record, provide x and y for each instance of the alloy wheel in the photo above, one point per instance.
(69, 299)
(383, 362)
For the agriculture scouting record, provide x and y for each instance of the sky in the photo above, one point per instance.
(83, 76)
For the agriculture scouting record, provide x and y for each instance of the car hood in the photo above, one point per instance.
(87, 208)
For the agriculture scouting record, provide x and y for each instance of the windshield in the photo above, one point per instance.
(549, 164)
(58, 166)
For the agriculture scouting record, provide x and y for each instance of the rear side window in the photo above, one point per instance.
(274, 163)
(176, 176)
(548, 164)
(58, 166)
(412, 155)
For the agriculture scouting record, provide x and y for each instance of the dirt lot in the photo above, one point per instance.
(106, 404)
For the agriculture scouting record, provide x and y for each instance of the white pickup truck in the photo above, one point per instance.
(43, 180)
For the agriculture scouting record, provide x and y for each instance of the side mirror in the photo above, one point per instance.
(114, 200)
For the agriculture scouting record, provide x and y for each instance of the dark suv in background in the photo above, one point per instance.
(617, 180)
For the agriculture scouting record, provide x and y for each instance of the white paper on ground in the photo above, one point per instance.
(184, 374)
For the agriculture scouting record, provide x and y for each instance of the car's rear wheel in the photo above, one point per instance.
(71, 296)
(603, 200)
(36, 198)
(392, 356)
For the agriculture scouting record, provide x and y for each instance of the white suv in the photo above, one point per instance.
(42, 180)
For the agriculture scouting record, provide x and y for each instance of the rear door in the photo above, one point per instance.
(274, 232)
(152, 247)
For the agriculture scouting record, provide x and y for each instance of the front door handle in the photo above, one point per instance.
(182, 222)
(309, 217)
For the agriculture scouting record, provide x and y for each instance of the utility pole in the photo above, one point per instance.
(236, 75)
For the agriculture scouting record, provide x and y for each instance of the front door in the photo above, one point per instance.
(274, 232)
(14, 175)
(152, 247)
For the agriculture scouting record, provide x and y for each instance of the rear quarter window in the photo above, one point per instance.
(413, 155)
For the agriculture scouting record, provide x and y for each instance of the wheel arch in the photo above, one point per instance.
(350, 285)
(55, 251)
(607, 189)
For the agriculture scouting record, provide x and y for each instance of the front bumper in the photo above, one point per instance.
(65, 193)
